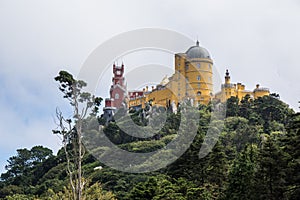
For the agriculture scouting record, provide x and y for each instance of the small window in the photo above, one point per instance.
(198, 93)
(117, 96)
(198, 78)
(199, 85)
(186, 66)
(198, 65)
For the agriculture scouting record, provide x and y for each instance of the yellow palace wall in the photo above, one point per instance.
(193, 78)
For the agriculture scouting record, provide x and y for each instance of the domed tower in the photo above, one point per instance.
(195, 66)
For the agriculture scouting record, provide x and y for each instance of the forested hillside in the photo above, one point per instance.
(257, 156)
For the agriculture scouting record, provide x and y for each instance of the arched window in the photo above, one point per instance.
(198, 93)
(117, 96)
(198, 65)
(198, 77)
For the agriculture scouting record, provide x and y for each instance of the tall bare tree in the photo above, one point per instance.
(71, 128)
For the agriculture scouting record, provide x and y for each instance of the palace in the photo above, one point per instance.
(229, 89)
(193, 80)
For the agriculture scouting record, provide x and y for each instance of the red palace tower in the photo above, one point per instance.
(118, 93)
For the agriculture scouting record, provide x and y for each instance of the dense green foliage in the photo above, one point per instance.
(257, 156)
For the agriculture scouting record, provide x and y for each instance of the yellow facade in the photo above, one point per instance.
(193, 79)
(238, 90)
(140, 101)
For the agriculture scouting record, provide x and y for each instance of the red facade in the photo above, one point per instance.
(135, 94)
(118, 88)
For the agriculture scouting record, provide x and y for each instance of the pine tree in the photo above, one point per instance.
(217, 168)
(241, 177)
(270, 177)
(232, 107)
(292, 147)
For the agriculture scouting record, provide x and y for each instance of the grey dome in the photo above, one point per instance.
(197, 52)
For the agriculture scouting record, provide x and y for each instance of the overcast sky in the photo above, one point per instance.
(258, 41)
